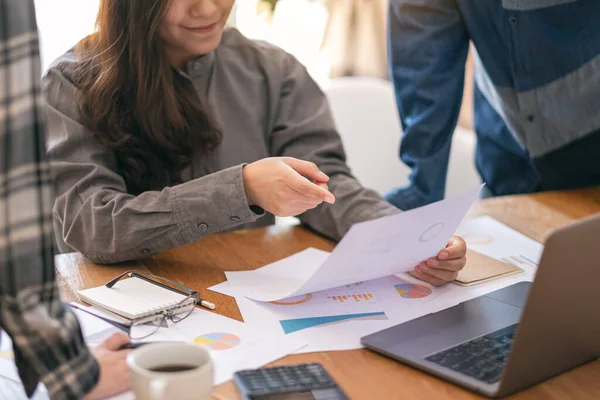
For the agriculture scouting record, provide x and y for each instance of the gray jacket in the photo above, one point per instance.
(266, 105)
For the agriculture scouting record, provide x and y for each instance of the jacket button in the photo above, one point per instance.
(203, 227)
(145, 251)
(235, 219)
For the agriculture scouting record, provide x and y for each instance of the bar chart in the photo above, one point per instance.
(355, 298)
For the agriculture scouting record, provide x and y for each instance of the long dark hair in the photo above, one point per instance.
(134, 101)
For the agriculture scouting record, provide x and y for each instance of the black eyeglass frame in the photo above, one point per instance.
(191, 294)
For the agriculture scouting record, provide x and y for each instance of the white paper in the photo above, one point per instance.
(14, 390)
(346, 334)
(9, 372)
(291, 271)
(234, 345)
(328, 321)
(505, 243)
(224, 288)
(93, 328)
(494, 239)
(8, 368)
(254, 355)
(370, 250)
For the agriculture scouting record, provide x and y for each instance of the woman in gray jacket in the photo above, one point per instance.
(165, 127)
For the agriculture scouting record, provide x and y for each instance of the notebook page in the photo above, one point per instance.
(132, 298)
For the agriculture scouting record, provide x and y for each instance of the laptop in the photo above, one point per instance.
(518, 336)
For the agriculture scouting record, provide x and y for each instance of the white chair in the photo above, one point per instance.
(366, 115)
(61, 24)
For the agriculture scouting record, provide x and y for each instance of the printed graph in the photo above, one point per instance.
(412, 291)
(354, 293)
(295, 325)
(218, 340)
(520, 260)
(353, 298)
(292, 301)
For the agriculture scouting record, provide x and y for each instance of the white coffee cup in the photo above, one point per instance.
(149, 384)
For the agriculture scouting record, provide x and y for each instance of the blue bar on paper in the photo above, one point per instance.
(294, 325)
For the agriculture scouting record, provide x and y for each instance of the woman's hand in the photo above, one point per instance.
(285, 186)
(445, 267)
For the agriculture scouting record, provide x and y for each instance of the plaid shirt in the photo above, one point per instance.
(47, 340)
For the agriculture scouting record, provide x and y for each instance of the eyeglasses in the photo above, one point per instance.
(178, 313)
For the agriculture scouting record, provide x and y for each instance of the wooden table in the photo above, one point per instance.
(362, 374)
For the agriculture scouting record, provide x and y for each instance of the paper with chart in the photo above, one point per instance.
(234, 345)
(336, 319)
(492, 238)
(94, 330)
(370, 250)
(332, 322)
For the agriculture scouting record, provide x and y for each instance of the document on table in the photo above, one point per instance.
(370, 250)
(494, 239)
(234, 345)
(10, 382)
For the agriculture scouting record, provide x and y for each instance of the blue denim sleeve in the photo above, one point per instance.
(428, 44)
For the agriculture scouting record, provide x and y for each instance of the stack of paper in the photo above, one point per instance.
(336, 318)
(234, 345)
(370, 250)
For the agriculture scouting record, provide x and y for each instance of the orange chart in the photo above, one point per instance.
(218, 341)
(293, 300)
(355, 298)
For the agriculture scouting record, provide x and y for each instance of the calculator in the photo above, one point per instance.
(291, 382)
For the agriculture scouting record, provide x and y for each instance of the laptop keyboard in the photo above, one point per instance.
(482, 358)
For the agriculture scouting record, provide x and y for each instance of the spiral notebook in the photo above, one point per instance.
(133, 298)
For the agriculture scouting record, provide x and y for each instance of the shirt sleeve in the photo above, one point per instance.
(95, 215)
(428, 44)
(47, 340)
(304, 129)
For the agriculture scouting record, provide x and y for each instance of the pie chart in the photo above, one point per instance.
(412, 291)
(218, 340)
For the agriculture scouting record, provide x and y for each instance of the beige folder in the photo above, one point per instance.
(481, 268)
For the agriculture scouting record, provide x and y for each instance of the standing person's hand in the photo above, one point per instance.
(114, 373)
(446, 266)
(285, 186)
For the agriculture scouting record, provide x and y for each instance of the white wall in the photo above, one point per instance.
(61, 24)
